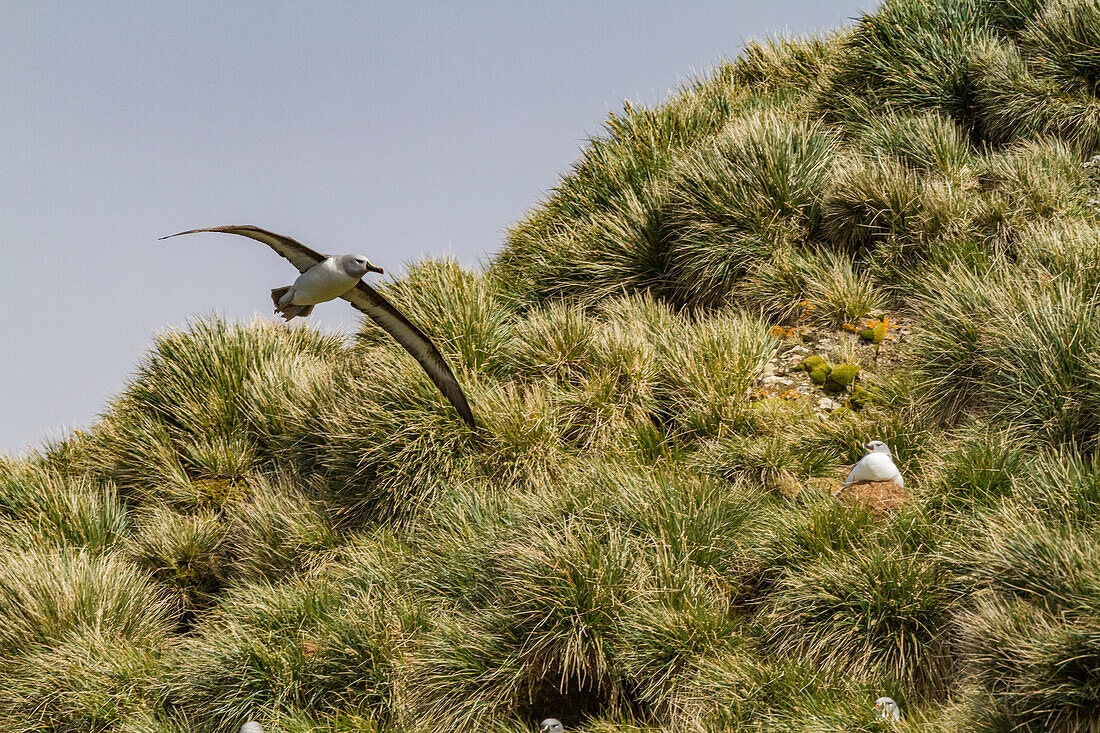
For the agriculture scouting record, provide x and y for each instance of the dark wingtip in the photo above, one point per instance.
(225, 230)
(463, 408)
(189, 231)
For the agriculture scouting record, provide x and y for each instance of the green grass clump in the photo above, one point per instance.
(40, 506)
(817, 286)
(907, 56)
(459, 309)
(879, 210)
(1062, 485)
(927, 142)
(183, 553)
(735, 203)
(781, 62)
(207, 406)
(1031, 642)
(81, 636)
(1063, 41)
(974, 472)
(90, 679)
(870, 612)
(383, 438)
(1013, 103)
(315, 645)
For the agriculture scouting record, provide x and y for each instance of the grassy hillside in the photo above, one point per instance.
(642, 533)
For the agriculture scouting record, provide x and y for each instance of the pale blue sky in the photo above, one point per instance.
(396, 129)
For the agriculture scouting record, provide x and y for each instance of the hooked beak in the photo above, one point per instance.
(372, 268)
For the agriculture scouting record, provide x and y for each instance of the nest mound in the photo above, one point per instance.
(878, 496)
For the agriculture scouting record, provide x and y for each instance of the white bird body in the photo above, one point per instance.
(323, 282)
(877, 465)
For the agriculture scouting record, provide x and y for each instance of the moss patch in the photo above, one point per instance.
(840, 378)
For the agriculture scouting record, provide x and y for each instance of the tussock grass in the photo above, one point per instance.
(782, 61)
(707, 380)
(975, 471)
(949, 354)
(207, 406)
(879, 209)
(310, 645)
(550, 644)
(877, 611)
(268, 523)
(1030, 640)
(739, 691)
(1063, 250)
(614, 192)
(1062, 485)
(81, 640)
(45, 595)
(664, 635)
(1035, 181)
(40, 506)
(910, 56)
(1063, 41)
(925, 142)
(183, 553)
(1011, 102)
(735, 202)
(282, 529)
(381, 435)
(90, 679)
(815, 286)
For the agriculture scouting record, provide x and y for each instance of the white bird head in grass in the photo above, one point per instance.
(887, 709)
(551, 725)
(252, 727)
(877, 446)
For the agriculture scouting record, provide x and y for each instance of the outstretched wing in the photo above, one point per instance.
(295, 252)
(365, 298)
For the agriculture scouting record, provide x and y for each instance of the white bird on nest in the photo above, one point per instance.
(876, 465)
(325, 278)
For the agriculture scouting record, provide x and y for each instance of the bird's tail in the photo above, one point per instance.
(291, 311)
(284, 307)
(277, 295)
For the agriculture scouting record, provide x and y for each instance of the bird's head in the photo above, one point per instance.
(551, 725)
(877, 446)
(357, 265)
(886, 707)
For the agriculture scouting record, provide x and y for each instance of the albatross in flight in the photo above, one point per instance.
(325, 278)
